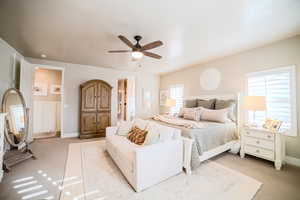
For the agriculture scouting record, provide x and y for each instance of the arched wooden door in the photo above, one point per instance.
(95, 107)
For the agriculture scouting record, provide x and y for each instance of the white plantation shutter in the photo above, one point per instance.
(176, 92)
(279, 88)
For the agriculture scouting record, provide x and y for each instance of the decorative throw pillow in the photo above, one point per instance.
(230, 105)
(152, 136)
(140, 123)
(124, 127)
(215, 115)
(190, 103)
(193, 114)
(209, 104)
(181, 112)
(190, 113)
(137, 135)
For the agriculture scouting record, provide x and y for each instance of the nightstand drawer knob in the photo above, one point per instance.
(257, 150)
(269, 136)
(257, 142)
(247, 132)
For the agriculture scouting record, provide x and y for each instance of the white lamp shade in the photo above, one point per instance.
(170, 102)
(255, 103)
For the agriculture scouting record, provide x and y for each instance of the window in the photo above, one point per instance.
(176, 92)
(279, 88)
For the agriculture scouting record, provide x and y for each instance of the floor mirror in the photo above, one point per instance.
(16, 128)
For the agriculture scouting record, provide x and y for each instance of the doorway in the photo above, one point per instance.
(122, 99)
(126, 99)
(47, 102)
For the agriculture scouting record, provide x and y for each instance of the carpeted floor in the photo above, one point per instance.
(52, 154)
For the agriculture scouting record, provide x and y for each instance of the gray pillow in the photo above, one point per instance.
(191, 103)
(221, 104)
(209, 104)
(230, 104)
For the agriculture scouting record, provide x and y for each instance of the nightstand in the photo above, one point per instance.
(264, 144)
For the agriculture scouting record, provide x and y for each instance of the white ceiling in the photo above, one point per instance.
(193, 31)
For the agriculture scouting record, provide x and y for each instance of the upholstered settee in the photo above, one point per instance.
(146, 165)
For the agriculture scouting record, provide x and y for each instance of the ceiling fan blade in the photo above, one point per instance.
(152, 45)
(153, 55)
(126, 41)
(119, 51)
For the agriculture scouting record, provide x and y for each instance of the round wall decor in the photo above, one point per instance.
(210, 79)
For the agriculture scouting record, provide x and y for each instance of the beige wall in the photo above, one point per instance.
(233, 70)
(8, 59)
(50, 77)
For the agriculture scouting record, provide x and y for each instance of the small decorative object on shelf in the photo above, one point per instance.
(263, 143)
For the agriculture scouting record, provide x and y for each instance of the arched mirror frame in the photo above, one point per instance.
(4, 101)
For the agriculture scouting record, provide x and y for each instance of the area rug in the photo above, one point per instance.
(91, 174)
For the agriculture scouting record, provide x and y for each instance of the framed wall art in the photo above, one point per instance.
(55, 89)
(163, 96)
(40, 89)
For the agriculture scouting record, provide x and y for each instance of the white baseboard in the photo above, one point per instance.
(70, 135)
(292, 161)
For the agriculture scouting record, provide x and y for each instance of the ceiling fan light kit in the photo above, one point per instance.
(138, 51)
(137, 55)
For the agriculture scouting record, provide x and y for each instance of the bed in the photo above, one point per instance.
(206, 139)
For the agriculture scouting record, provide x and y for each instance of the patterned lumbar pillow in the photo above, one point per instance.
(137, 135)
(191, 113)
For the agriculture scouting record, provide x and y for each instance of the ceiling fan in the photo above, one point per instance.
(138, 51)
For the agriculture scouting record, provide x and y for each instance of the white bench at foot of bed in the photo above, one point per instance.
(187, 148)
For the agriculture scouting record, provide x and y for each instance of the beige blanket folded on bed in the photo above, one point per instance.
(179, 122)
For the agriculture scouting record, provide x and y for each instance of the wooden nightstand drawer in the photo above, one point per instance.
(267, 144)
(260, 152)
(259, 134)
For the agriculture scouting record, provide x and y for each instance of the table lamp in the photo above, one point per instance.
(255, 103)
(170, 103)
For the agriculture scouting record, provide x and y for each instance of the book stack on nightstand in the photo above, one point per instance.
(264, 144)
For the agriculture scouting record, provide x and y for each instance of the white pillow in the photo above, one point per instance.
(124, 127)
(215, 115)
(140, 123)
(152, 136)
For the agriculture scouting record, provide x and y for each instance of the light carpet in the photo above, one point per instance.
(91, 174)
